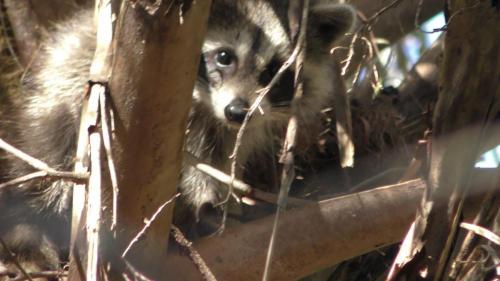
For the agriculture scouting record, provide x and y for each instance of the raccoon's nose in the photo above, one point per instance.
(236, 110)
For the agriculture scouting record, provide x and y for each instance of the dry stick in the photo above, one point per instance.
(317, 226)
(14, 259)
(89, 119)
(470, 238)
(215, 173)
(376, 81)
(42, 166)
(94, 207)
(25, 178)
(35, 163)
(383, 10)
(457, 213)
(147, 224)
(350, 54)
(286, 158)
(100, 69)
(45, 171)
(240, 186)
(481, 231)
(69, 176)
(137, 275)
(366, 25)
(106, 138)
(42, 274)
(194, 256)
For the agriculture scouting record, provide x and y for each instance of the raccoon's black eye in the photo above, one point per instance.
(224, 58)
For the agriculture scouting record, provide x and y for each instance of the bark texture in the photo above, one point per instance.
(311, 237)
(156, 56)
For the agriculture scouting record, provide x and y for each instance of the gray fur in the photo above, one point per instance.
(46, 123)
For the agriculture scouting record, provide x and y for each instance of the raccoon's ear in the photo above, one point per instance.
(328, 22)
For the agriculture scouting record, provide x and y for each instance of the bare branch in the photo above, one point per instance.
(481, 231)
(45, 171)
(69, 176)
(147, 224)
(106, 139)
(287, 157)
(193, 254)
(219, 175)
(42, 274)
(315, 232)
(93, 223)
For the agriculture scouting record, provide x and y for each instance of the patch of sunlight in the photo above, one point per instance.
(412, 46)
(433, 23)
(490, 159)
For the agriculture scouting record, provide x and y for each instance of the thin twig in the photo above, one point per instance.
(23, 179)
(350, 54)
(42, 274)
(194, 256)
(32, 161)
(481, 231)
(137, 275)
(487, 206)
(216, 174)
(381, 11)
(366, 26)
(287, 157)
(94, 207)
(70, 176)
(45, 171)
(106, 139)
(147, 224)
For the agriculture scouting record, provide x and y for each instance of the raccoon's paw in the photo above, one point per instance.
(29, 248)
(209, 220)
(10, 271)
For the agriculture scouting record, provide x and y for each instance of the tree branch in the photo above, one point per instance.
(321, 234)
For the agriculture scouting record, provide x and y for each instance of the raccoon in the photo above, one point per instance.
(246, 43)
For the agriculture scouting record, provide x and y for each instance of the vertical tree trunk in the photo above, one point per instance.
(155, 65)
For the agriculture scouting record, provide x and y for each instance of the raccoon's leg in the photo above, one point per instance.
(28, 246)
(34, 216)
(35, 239)
(198, 212)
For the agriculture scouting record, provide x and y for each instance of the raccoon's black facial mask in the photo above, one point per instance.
(281, 94)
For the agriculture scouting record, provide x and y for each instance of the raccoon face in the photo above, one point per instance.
(247, 41)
